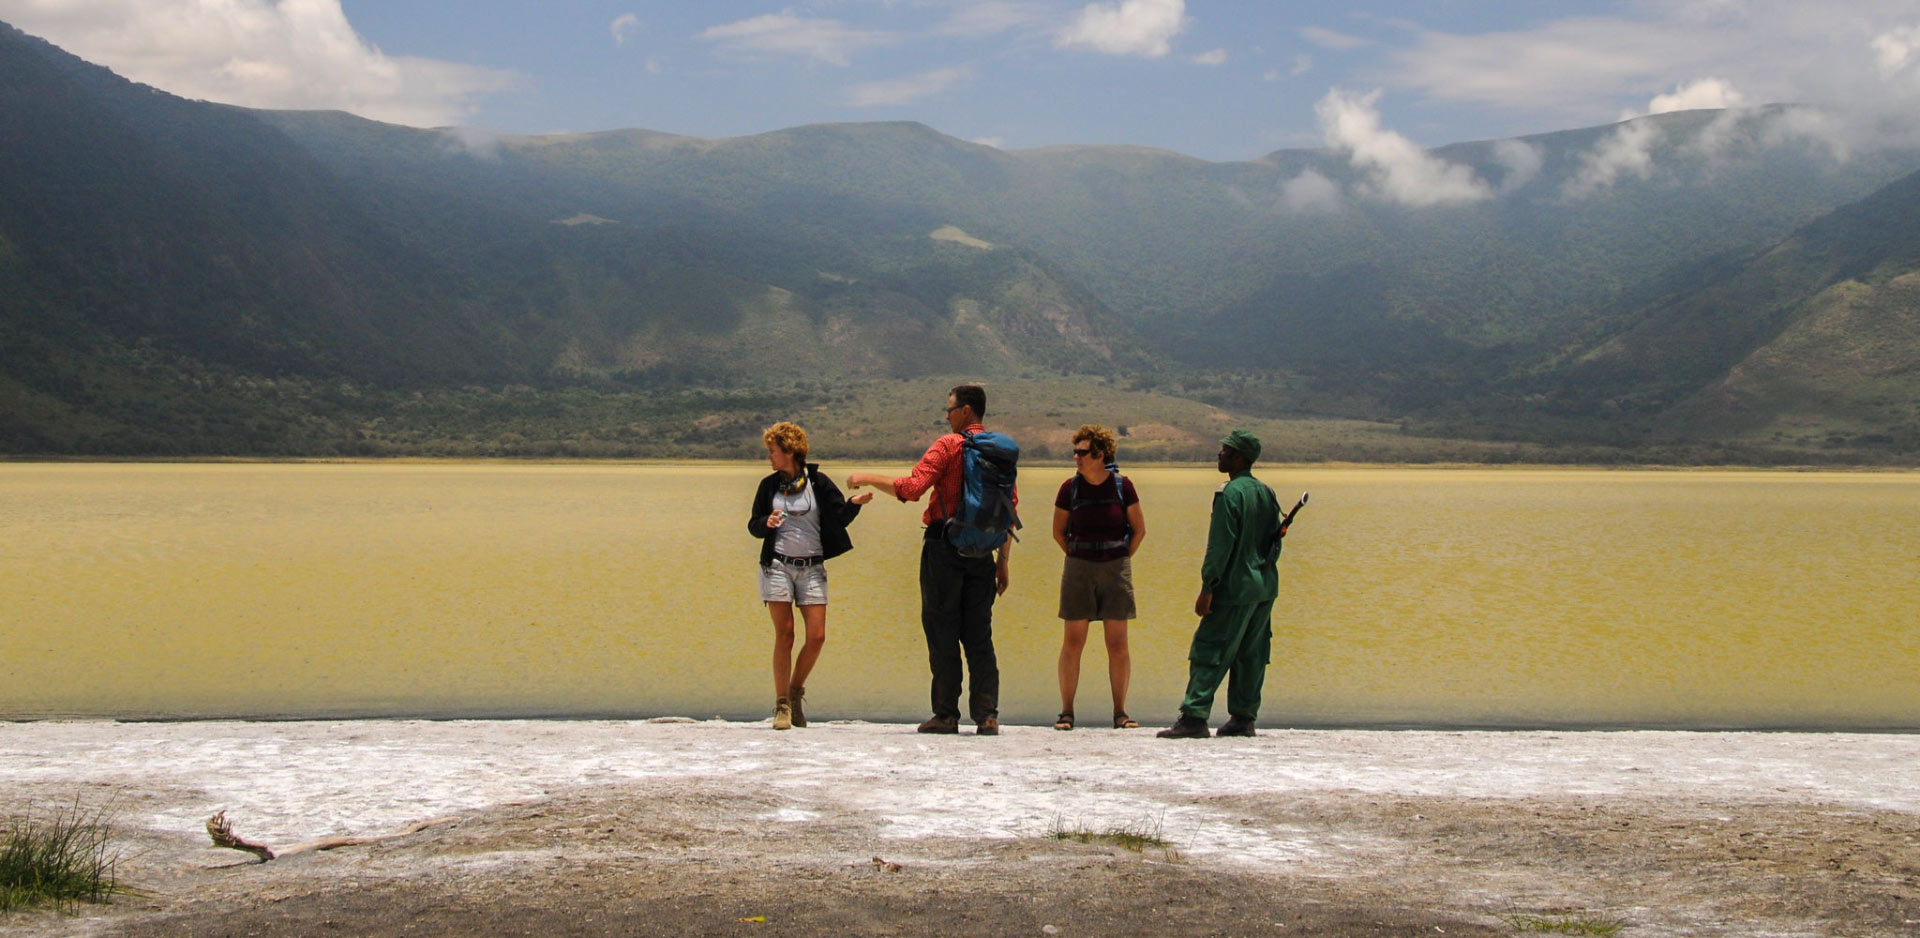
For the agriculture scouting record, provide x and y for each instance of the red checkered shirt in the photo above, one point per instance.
(939, 470)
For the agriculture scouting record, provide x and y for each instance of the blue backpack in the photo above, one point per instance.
(985, 517)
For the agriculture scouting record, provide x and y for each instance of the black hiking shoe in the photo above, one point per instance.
(1237, 726)
(794, 696)
(1185, 728)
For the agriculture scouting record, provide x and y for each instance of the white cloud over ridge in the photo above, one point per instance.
(1896, 49)
(1627, 151)
(1860, 64)
(1211, 57)
(783, 33)
(898, 91)
(1521, 160)
(1704, 93)
(1126, 27)
(1311, 191)
(294, 54)
(1395, 169)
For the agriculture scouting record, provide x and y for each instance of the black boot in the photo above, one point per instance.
(1238, 726)
(1185, 728)
(795, 695)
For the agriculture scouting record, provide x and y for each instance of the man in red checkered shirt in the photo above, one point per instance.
(956, 593)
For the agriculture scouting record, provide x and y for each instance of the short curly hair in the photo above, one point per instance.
(1099, 439)
(789, 437)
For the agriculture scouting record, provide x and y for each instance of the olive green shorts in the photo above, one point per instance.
(1096, 589)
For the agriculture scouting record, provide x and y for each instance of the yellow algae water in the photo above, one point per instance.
(1410, 596)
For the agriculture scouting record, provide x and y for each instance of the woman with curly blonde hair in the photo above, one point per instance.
(1098, 523)
(801, 518)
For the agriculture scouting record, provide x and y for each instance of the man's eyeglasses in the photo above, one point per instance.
(1083, 452)
(955, 407)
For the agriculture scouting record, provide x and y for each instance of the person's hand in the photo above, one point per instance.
(1203, 605)
(862, 498)
(776, 519)
(1001, 576)
(853, 482)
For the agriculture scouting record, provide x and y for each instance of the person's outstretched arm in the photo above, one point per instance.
(872, 480)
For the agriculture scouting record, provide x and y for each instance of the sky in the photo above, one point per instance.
(1216, 79)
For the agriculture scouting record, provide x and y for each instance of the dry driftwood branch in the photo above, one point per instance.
(223, 836)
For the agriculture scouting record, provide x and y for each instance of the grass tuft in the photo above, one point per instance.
(1581, 924)
(56, 861)
(1136, 837)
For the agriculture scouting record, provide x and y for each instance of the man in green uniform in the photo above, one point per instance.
(1238, 583)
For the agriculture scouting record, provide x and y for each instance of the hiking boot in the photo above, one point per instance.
(794, 696)
(1237, 726)
(1185, 728)
(940, 724)
(782, 714)
(988, 727)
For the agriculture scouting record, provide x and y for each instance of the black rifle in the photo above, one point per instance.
(1296, 510)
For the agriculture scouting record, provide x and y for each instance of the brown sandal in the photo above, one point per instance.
(1064, 721)
(1123, 722)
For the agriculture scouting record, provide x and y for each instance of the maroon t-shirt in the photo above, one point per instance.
(1101, 516)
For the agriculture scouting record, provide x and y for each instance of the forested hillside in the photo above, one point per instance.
(181, 277)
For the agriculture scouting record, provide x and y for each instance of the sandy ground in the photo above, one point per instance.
(676, 827)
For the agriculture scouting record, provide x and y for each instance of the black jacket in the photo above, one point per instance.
(835, 514)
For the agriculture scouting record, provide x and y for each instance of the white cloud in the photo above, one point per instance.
(1328, 39)
(1895, 49)
(1627, 151)
(990, 17)
(998, 143)
(904, 90)
(786, 34)
(1311, 191)
(1211, 57)
(1521, 160)
(1859, 61)
(624, 25)
(1704, 93)
(477, 142)
(1302, 64)
(1126, 27)
(293, 54)
(1395, 169)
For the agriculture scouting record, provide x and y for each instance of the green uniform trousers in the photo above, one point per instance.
(1231, 641)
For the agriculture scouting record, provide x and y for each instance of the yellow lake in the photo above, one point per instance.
(1431, 597)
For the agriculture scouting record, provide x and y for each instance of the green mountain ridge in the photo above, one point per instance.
(185, 277)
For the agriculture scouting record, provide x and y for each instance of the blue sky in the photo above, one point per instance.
(1217, 79)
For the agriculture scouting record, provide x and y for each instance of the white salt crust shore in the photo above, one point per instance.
(284, 782)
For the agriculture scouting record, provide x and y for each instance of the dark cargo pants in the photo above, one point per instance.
(1232, 643)
(956, 612)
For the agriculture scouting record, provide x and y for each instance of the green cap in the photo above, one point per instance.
(1244, 443)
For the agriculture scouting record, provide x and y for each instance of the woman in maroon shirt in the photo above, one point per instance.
(1097, 522)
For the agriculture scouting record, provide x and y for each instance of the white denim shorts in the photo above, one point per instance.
(782, 582)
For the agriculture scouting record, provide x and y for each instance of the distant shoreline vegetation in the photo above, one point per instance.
(247, 418)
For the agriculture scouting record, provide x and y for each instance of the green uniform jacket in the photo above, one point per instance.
(1238, 570)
